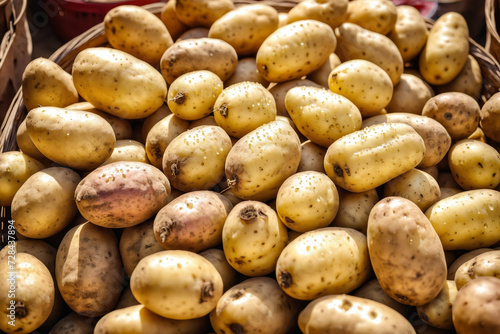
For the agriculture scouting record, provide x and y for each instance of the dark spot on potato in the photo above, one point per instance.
(179, 98)
(338, 170)
(448, 116)
(248, 213)
(236, 328)
(166, 229)
(236, 295)
(207, 292)
(423, 316)
(289, 220)
(20, 310)
(346, 305)
(285, 279)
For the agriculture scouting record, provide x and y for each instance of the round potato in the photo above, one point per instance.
(203, 13)
(437, 312)
(128, 150)
(246, 70)
(331, 12)
(409, 88)
(484, 264)
(410, 32)
(354, 209)
(376, 15)
(490, 117)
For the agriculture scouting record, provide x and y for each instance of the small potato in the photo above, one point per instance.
(207, 120)
(246, 27)
(405, 251)
(74, 323)
(280, 90)
(295, 50)
(255, 298)
(246, 70)
(196, 54)
(331, 12)
(490, 117)
(354, 209)
(45, 83)
(475, 309)
(474, 164)
(409, 88)
(113, 195)
(469, 81)
(230, 277)
(311, 157)
(126, 299)
(15, 168)
(364, 83)
(410, 32)
(128, 150)
(44, 205)
(192, 221)
(437, 313)
(137, 31)
(203, 13)
(177, 284)
(253, 237)
(329, 260)
(448, 191)
(321, 75)
(484, 264)
(373, 291)
(169, 18)
(307, 201)
(195, 159)
(453, 267)
(192, 95)
(375, 15)
(335, 313)
(194, 33)
(243, 107)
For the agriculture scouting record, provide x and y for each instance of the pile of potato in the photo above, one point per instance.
(232, 169)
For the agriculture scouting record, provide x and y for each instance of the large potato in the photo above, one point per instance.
(295, 50)
(405, 251)
(484, 264)
(409, 88)
(410, 32)
(118, 83)
(490, 117)
(331, 12)
(376, 15)
(195, 13)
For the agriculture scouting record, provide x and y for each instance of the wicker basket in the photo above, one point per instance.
(492, 37)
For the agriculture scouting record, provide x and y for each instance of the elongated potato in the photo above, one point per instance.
(409, 33)
(331, 12)
(375, 15)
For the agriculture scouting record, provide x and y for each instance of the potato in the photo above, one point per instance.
(118, 83)
(295, 50)
(89, 270)
(75, 324)
(207, 120)
(196, 54)
(373, 291)
(262, 160)
(474, 164)
(336, 313)
(355, 42)
(490, 117)
(255, 298)
(328, 260)
(192, 221)
(192, 95)
(246, 70)
(243, 107)
(280, 90)
(364, 83)
(137, 31)
(201, 12)
(446, 50)
(230, 276)
(320, 76)
(331, 12)
(379, 16)
(75, 139)
(40, 249)
(437, 312)
(128, 150)
(484, 264)
(311, 157)
(478, 134)
(194, 33)
(45, 83)
(405, 251)
(27, 146)
(169, 18)
(457, 112)
(160, 135)
(44, 205)
(469, 81)
(354, 209)
(466, 220)
(113, 195)
(27, 291)
(253, 237)
(246, 27)
(397, 145)
(195, 159)
(409, 33)
(475, 309)
(177, 284)
(409, 88)
(307, 201)
(15, 168)
(453, 267)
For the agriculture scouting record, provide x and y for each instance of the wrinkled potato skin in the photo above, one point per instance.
(490, 117)
(331, 12)
(409, 88)
(469, 81)
(437, 313)
(201, 12)
(484, 264)
(405, 251)
(410, 32)
(376, 15)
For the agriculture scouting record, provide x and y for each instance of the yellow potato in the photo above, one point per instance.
(484, 264)
(410, 32)
(152, 119)
(331, 12)
(246, 70)
(203, 13)
(193, 33)
(280, 90)
(375, 15)
(453, 267)
(169, 18)
(230, 277)
(27, 146)
(127, 150)
(469, 81)
(410, 88)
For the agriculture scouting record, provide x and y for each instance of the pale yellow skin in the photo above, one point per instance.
(152, 119)
(355, 42)
(45, 83)
(137, 31)
(114, 195)
(490, 117)
(331, 12)
(321, 75)
(484, 264)
(192, 95)
(201, 12)
(453, 267)
(75, 324)
(469, 81)
(118, 83)
(230, 276)
(376, 15)
(195, 159)
(243, 107)
(160, 135)
(26, 145)
(478, 134)
(364, 83)
(415, 185)
(405, 251)
(373, 291)
(256, 305)
(351, 314)
(280, 90)
(394, 148)
(307, 201)
(410, 32)
(246, 70)
(262, 160)
(437, 312)
(28, 288)
(253, 237)
(329, 260)
(128, 150)
(295, 50)
(474, 164)
(15, 168)
(246, 27)
(89, 270)
(44, 205)
(311, 157)
(466, 220)
(409, 88)
(169, 18)
(446, 50)
(177, 284)
(354, 209)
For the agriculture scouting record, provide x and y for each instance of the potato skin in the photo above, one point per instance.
(405, 251)
(469, 81)
(490, 117)
(409, 33)
(331, 12)
(410, 88)
(484, 264)
(195, 13)
(437, 312)
(376, 15)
